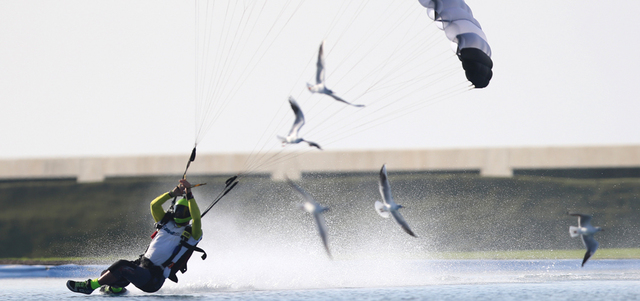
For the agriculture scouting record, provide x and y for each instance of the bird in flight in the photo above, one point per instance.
(310, 205)
(585, 230)
(320, 86)
(388, 207)
(293, 137)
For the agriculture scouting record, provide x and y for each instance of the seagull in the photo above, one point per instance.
(585, 230)
(297, 124)
(320, 87)
(388, 207)
(310, 205)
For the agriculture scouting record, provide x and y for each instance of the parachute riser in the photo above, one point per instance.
(192, 158)
(230, 183)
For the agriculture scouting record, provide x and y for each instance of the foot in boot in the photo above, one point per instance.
(80, 286)
(107, 289)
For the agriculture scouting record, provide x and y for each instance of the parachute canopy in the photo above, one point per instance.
(456, 19)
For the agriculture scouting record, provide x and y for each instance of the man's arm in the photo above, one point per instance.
(156, 205)
(196, 225)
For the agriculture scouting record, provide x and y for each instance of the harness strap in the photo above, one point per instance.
(195, 249)
(186, 234)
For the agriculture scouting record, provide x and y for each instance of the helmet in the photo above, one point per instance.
(181, 212)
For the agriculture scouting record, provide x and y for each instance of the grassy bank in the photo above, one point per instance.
(455, 216)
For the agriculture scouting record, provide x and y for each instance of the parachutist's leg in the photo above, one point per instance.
(107, 278)
(115, 275)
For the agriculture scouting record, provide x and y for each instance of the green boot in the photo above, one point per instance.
(112, 290)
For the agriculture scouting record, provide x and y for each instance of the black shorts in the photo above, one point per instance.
(146, 279)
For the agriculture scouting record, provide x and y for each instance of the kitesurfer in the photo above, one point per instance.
(168, 252)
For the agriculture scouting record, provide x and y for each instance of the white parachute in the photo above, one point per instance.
(464, 31)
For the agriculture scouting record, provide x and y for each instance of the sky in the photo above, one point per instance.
(119, 78)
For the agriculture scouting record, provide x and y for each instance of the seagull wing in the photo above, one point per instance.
(591, 245)
(400, 220)
(583, 219)
(320, 65)
(306, 196)
(330, 93)
(299, 122)
(311, 143)
(322, 230)
(385, 188)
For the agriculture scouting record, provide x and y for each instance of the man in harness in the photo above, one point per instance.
(170, 248)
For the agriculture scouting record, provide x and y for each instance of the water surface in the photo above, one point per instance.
(357, 280)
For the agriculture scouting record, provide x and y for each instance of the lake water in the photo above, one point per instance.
(360, 280)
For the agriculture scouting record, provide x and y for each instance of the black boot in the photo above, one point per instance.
(80, 286)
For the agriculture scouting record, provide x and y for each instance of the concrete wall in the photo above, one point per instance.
(496, 162)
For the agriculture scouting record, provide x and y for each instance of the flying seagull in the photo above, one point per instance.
(388, 207)
(297, 124)
(320, 87)
(585, 230)
(310, 205)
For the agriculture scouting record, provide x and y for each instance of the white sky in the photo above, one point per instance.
(105, 78)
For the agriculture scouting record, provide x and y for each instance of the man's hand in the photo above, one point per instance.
(185, 185)
(187, 188)
(177, 191)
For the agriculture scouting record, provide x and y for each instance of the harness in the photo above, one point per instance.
(182, 253)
